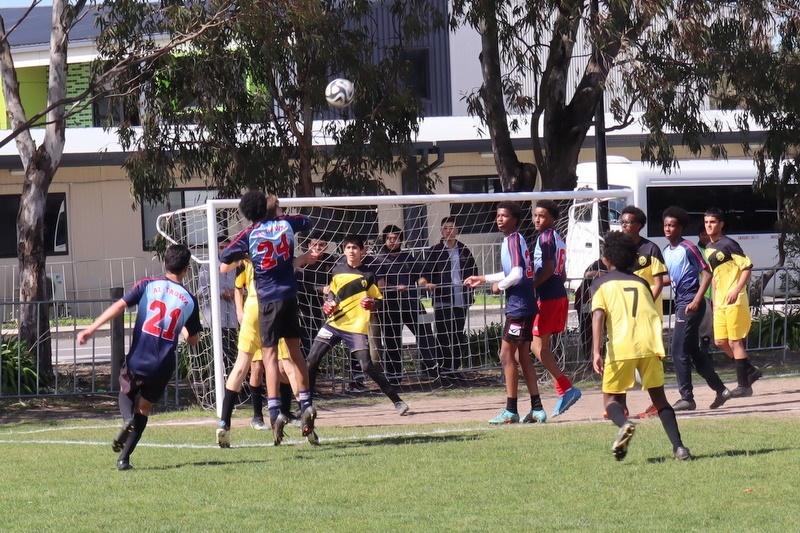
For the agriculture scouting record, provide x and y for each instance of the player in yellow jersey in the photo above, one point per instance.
(730, 270)
(624, 310)
(352, 295)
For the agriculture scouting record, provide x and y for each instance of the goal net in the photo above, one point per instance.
(423, 339)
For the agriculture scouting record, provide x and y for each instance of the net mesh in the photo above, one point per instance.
(423, 340)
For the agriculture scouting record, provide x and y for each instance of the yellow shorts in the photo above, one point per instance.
(732, 322)
(250, 334)
(620, 376)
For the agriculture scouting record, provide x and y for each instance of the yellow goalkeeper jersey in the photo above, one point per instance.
(348, 286)
(727, 261)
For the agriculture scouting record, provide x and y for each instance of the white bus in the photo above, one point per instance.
(695, 186)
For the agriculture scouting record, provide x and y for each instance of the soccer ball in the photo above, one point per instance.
(339, 93)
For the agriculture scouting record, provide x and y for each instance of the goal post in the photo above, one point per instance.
(419, 218)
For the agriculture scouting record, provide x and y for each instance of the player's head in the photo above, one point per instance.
(619, 250)
(316, 244)
(545, 214)
(675, 220)
(507, 210)
(632, 220)
(273, 207)
(176, 259)
(253, 206)
(714, 222)
(449, 228)
(357, 240)
(392, 237)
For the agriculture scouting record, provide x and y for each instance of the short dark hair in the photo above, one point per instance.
(551, 207)
(448, 220)
(620, 250)
(678, 213)
(253, 206)
(638, 214)
(391, 228)
(358, 240)
(715, 212)
(512, 207)
(176, 258)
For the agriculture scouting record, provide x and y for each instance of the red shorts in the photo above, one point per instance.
(552, 317)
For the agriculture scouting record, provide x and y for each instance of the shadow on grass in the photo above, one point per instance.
(206, 464)
(396, 440)
(723, 454)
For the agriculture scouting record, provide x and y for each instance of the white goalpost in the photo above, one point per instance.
(472, 353)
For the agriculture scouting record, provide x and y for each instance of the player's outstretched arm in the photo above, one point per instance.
(114, 310)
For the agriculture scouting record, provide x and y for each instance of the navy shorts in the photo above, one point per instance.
(518, 330)
(279, 320)
(151, 388)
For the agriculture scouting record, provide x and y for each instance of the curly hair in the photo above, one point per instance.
(514, 209)
(678, 213)
(620, 250)
(550, 206)
(253, 206)
(638, 214)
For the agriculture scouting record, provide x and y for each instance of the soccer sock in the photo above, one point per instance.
(286, 398)
(511, 405)
(139, 423)
(536, 403)
(616, 413)
(670, 423)
(258, 402)
(274, 406)
(742, 368)
(563, 384)
(304, 397)
(228, 401)
(125, 406)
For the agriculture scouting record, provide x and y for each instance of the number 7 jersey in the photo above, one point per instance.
(633, 324)
(164, 309)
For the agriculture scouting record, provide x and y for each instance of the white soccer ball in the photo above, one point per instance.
(339, 93)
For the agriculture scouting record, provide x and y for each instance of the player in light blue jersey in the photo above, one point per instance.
(165, 309)
(516, 280)
(269, 242)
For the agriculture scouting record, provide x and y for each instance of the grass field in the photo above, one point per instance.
(554, 477)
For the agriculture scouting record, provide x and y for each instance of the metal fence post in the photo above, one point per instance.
(117, 341)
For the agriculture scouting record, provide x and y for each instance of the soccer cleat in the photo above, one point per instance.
(258, 424)
(742, 392)
(650, 412)
(307, 420)
(684, 405)
(313, 438)
(358, 387)
(565, 401)
(720, 399)
(753, 376)
(224, 435)
(683, 454)
(124, 464)
(535, 416)
(620, 447)
(401, 407)
(119, 441)
(277, 428)
(506, 417)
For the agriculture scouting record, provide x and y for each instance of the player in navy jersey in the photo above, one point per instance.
(549, 266)
(516, 280)
(269, 243)
(689, 277)
(165, 309)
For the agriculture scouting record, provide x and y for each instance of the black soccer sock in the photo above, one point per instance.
(139, 423)
(670, 423)
(286, 398)
(376, 374)
(536, 403)
(616, 413)
(125, 406)
(511, 405)
(258, 402)
(742, 371)
(228, 402)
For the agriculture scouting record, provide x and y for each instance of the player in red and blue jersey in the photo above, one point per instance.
(269, 243)
(549, 264)
(516, 280)
(164, 309)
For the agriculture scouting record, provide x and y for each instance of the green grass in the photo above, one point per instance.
(555, 477)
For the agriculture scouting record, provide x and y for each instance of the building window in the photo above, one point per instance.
(475, 217)
(417, 73)
(196, 235)
(55, 224)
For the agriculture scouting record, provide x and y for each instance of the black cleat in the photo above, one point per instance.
(620, 447)
(684, 405)
(753, 375)
(683, 454)
(119, 441)
(720, 399)
(277, 428)
(742, 392)
(124, 464)
(307, 420)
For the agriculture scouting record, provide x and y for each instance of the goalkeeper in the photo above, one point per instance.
(352, 295)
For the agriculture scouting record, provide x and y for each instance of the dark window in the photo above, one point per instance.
(475, 217)
(193, 232)
(746, 211)
(417, 74)
(334, 223)
(113, 112)
(55, 224)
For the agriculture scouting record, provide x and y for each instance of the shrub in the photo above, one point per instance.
(17, 366)
(484, 344)
(770, 328)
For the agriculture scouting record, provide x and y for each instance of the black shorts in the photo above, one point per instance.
(518, 330)
(151, 388)
(279, 320)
